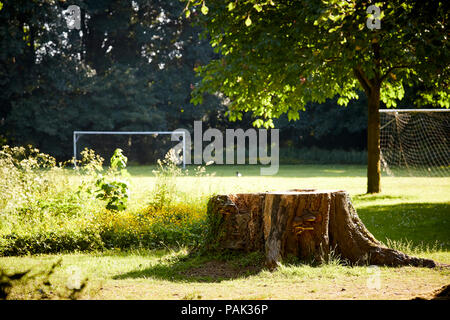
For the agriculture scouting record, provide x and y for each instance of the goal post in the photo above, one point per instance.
(77, 134)
(416, 141)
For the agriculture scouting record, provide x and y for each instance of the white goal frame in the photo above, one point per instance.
(414, 110)
(77, 134)
(409, 110)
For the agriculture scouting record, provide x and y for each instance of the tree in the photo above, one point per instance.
(278, 55)
(130, 67)
(28, 29)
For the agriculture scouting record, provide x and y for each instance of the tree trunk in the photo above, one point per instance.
(373, 141)
(309, 224)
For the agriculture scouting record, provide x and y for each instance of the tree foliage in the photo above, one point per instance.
(278, 55)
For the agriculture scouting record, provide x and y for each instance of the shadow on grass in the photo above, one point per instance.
(422, 225)
(121, 253)
(201, 268)
(372, 197)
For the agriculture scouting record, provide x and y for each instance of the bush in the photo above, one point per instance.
(50, 242)
(42, 211)
(166, 173)
(180, 224)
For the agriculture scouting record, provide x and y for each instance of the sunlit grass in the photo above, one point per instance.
(161, 274)
(411, 214)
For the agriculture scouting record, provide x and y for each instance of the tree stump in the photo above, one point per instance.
(309, 224)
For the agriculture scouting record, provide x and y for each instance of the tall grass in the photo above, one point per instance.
(45, 210)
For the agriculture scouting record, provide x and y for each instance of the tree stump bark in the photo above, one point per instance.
(309, 224)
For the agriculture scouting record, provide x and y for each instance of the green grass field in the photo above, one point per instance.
(411, 214)
(416, 209)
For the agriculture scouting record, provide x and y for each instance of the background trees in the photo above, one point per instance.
(131, 67)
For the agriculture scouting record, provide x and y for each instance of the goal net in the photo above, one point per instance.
(415, 142)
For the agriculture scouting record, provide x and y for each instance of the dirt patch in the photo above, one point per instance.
(220, 270)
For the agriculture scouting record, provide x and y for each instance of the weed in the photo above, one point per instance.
(114, 187)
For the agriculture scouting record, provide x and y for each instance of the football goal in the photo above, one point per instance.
(415, 142)
(123, 139)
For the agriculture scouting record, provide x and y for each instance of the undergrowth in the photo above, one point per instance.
(47, 207)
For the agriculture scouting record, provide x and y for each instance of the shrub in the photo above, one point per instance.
(180, 224)
(51, 242)
(113, 187)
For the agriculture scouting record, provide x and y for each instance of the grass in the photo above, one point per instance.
(411, 214)
(170, 275)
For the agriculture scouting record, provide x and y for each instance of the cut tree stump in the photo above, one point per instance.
(309, 224)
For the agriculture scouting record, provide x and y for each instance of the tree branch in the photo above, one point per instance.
(365, 83)
(392, 68)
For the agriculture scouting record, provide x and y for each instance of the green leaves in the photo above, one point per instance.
(113, 188)
(257, 7)
(204, 9)
(313, 48)
(118, 160)
(258, 123)
(248, 21)
(293, 115)
(115, 193)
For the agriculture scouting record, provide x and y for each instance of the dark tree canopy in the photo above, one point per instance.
(130, 67)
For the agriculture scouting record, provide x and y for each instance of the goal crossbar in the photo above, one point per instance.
(414, 110)
(76, 135)
(408, 110)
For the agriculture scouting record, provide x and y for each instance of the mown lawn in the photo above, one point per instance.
(411, 214)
